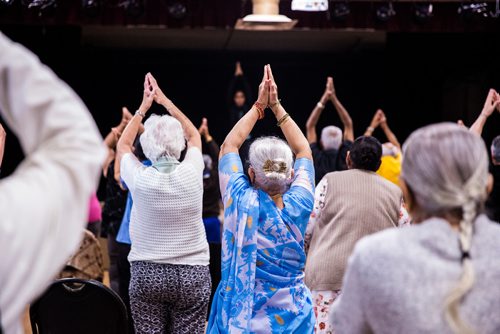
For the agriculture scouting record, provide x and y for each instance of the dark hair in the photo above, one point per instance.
(138, 152)
(365, 153)
(495, 149)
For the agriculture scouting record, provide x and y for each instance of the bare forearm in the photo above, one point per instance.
(2, 147)
(313, 119)
(190, 131)
(342, 111)
(239, 133)
(112, 138)
(345, 118)
(294, 136)
(311, 124)
(478, 125)
(126, 142)
(390, 135)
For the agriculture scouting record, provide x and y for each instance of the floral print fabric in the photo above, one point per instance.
(262, 288)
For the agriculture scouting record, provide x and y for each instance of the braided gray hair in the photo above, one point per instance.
(446, 168)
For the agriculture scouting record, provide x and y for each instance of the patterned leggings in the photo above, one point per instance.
(167, 298)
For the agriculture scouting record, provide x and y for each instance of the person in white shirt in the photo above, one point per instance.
(170, 279)
(44, 203)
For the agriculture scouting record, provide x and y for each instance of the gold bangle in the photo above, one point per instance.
(283, 119)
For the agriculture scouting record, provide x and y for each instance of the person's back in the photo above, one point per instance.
(357, 203)
(168, 207)
(407, 275)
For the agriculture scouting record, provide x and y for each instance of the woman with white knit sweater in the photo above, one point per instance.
(170, 279)
(441, 274)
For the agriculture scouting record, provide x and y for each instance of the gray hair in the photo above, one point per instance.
(331, 137)
(495, 149)
(163, 137)
(271, 159)
(446, 168)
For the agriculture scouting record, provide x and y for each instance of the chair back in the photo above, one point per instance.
(78, 306)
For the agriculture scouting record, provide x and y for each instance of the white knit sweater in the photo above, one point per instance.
(166, 224)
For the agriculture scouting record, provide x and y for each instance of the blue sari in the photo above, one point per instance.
(262, 288)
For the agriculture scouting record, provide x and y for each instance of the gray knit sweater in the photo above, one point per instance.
(397, 280)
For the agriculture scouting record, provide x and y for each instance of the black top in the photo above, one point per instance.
(493, 202)
(114, 204)
(326, 161)
(237, 83)
(211, 191)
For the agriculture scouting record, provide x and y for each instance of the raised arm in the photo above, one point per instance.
(126, 141)
(312, 121)
(190, 131)
(3, 135)
(294, 136)
(212, 147)
(244, 126)
(343, 114)
(377, 118)
(112, 137)
(492, 102)
(391, 137)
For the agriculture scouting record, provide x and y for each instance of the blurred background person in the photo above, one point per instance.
(330, 154)
(348, 205)
(211, 204)
(44, 204)
(440, 274)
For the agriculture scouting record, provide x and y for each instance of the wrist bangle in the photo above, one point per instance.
(320, 105)
(283, 119)
(260, 109)
(208, 139)
(370, 129)
(138, 112)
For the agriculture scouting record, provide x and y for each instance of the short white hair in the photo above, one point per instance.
(163, 137)
(331, 137)
(389, 149)
(271, 159)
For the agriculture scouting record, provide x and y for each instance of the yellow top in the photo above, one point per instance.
(391, 168)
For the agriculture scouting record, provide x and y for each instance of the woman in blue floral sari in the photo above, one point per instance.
(262, 288)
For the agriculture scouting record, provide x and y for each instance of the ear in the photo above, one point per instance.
(489, 185)
(348, 160)
(251, 174)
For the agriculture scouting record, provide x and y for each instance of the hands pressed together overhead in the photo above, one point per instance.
(492, 102)
(268, 92)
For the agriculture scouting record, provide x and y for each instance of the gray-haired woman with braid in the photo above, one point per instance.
(441, 274)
